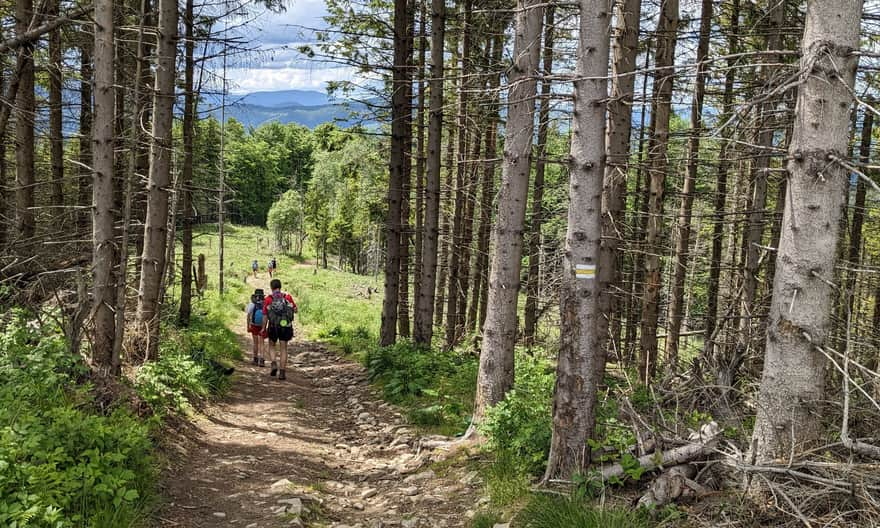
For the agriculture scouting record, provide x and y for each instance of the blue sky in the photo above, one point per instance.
(278, 65)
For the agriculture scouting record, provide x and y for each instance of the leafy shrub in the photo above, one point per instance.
(521, 423)
(189, 366)
(551, 511)
(485, 520)
(61, 462)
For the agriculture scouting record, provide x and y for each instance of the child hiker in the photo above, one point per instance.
(255, 318)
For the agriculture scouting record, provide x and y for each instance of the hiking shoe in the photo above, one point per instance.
(274, 369)
(262, 362)
(255, 361)
(282, 375)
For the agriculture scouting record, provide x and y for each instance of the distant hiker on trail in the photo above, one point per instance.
(274, 264)
(255, 266)
(278, 310)
(255, 318)
(270, 267)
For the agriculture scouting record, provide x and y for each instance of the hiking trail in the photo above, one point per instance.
(319, 449)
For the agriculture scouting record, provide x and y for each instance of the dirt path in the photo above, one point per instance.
(319, 449)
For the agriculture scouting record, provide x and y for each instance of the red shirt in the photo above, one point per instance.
(268, 301)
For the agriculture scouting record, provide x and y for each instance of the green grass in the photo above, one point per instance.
(551, 511)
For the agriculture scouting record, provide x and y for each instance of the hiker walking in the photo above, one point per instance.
(255, 318)
(278, 310)
(255, 266)
(270, 267)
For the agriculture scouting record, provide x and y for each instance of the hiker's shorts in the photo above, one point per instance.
(280, 333)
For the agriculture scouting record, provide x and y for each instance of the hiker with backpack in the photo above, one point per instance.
(270, 267)
(255, 318)
(255, 266)
(278, 310)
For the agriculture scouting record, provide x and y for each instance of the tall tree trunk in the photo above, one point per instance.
(420, 160)
(403, 320)
(424, 320)
(84, 199)
(858, 217)
(658, 163)
(581, 361)
(793, 379)
(155, 230)
(682, 243)
(465, 85)
(25, 110)
(720, 196)
(487, 194)
(56, 133)
(467, 233)
(103, 219)
(754, 233)
(495, 375)
(189, 112)
(625, 49)
(399, 108)
(533, 281)
(446, 247)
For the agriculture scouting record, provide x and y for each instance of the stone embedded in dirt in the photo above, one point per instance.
(219, 515)
(292, 506)
(409, 491)
(409, 523)
(280, 485)
(502, 525)
(419, 477)
(252, 525)
(369, 492)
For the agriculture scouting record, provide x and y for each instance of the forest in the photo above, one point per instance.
(565, 265)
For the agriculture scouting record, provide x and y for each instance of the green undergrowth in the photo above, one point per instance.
(65, 460)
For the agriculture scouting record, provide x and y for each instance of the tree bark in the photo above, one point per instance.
(753, 236)
(56, 133)
(103, 217)
(420, 160)
(793, 379)
(424, 320)
(858, 216)
(465, 85)
(581, 362)
(25, 108)
(533, 281)
(155, 230)
(625, 49)
(720, 197)
(658, 162)
(495, 376)
(399, 108)
(189, 113)
(683, 240)
(85, 133)
(446, 243)
(403, 320)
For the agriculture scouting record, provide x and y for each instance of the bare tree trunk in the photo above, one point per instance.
(420, 160)
(155, 230)
(658, 145)
(683, 240)
(403, 320)
(84, 199)
(533, 282)
(424, 321)
(625, 49)
(476, 312)
(858, 216)
(495, 375)
(447, 241)
(464, 138)
(754, 233)
(56, 133)
(721, 187)
(189, 112)
(467, 233)
(25, 109)
(793, 380)
(399, 130)
(581, 361)
(103, 219)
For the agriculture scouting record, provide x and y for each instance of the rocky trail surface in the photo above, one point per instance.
(319, 449)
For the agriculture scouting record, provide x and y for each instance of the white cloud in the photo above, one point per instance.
(258, 79)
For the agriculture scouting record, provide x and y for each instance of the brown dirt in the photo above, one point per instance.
(348, 456)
